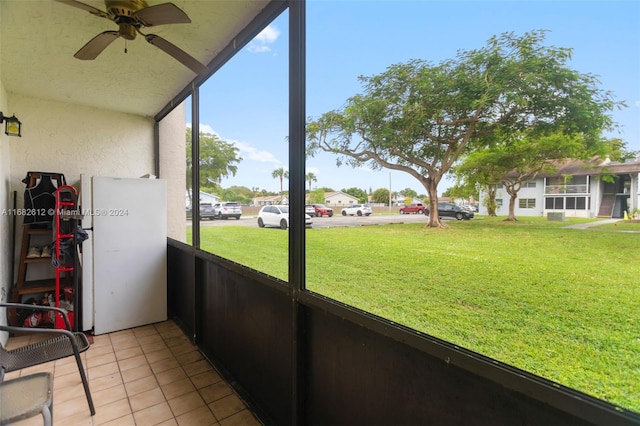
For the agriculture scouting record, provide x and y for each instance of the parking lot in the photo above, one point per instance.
(327, 222)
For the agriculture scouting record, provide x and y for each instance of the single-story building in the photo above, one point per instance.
(204, 197)
(339, 198)
(270, 199)
(593, 188)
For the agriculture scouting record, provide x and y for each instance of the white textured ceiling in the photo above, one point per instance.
(40, 37)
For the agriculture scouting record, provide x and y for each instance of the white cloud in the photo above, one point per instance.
(261, 43)
(637, 103)
(269, 35)
(246, 150)
(249, 152)
(205, 128)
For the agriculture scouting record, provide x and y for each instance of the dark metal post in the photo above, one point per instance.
(195, 205)
(195, 165)
(156, 148)
(297, 118)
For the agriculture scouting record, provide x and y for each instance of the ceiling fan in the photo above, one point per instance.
(131, 16)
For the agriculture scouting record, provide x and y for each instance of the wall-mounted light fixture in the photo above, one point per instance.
(11, 125)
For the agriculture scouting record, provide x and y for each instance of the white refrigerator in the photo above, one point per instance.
(124, 260)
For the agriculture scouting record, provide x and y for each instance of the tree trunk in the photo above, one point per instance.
(512, 207)
(434, 219)
(491, 203)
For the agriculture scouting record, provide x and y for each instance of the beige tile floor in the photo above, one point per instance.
(145, 376)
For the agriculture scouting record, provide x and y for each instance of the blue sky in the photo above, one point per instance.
(246, 101)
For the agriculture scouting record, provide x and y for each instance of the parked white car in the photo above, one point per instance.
(357, 210)
(278, 215)
(227, 209)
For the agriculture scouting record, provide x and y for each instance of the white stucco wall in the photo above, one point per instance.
(537, 193)
(5, 229)
(74, 140)
(5, 202)
(172, 130)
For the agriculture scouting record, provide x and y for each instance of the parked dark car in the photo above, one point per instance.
(452, 210)
(206, 211)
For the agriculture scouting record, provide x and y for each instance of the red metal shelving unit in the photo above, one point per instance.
(65, 227)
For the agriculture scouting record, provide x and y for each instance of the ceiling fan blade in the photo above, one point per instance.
(86, 7)
(177, 53)
(96, 45)
(165, 13)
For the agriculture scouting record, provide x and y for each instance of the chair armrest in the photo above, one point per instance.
(50, 331)
(61, 311)
(31, 330)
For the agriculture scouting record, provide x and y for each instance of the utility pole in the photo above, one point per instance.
(389, 192)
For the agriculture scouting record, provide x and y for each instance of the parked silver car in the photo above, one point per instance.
(357, 210)
(278, 215)
(310, 210)
(227, 209)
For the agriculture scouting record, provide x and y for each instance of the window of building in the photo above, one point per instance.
(527, 203)
(581, 203)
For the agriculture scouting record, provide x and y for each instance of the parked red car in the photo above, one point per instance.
(322, 210)
(418, 208)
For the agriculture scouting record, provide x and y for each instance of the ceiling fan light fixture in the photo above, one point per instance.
(127, 31)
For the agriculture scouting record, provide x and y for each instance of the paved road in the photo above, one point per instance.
(328, 222)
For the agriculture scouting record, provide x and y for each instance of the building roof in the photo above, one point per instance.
(338, 193)
(271, 199)
(593, 166)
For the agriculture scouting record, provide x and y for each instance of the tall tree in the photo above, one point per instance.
(317, 196)
(419, 117)
(218, 159)
(482, 169)
(281, 174)
(360, 194)
(409, 193)
(380, 195)
(617, 150)
(310, 177)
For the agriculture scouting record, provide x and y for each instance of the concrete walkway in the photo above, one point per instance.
(590, 224)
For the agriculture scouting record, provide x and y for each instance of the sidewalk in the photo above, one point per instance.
(590, 224)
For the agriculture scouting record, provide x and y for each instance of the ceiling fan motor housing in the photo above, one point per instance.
(123, 14)
(124, 8)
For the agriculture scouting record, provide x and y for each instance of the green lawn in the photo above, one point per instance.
(560, 303)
